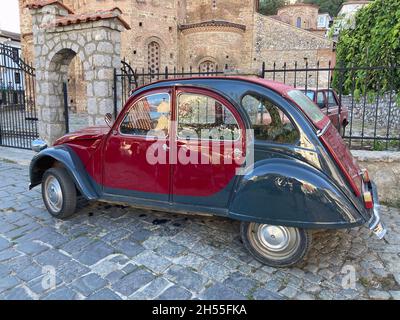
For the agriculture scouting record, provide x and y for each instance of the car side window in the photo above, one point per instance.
(150, 116)
(332, 99)
(202, 117)
(321, 99)
(268, 121)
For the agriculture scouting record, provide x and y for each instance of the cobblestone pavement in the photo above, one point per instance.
(116, 252)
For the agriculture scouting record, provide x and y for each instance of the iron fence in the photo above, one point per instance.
(128, 79)
(18, 116)
(368, 97)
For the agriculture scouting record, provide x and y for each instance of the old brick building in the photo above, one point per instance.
(200, 33)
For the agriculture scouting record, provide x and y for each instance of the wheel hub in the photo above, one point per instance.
(275, 238)
(54, 194)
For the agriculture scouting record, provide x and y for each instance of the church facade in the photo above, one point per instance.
(200, 34)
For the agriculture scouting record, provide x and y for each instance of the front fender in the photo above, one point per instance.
(68, 158)
(292, 193)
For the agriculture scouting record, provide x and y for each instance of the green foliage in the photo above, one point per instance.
(330, 6)
(270, 7)
(375, 41)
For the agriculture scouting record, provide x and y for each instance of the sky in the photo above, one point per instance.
(9, 15)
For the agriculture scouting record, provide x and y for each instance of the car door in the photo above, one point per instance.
(137, 151)
(210, 139)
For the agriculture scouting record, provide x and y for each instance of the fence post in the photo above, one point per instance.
(166, 72)
(66, 115)
(115, 94)
(341, 69)
(263, 70)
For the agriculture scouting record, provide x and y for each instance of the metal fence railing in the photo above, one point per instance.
(368, 97)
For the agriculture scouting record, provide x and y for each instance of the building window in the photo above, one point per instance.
(298, 22)
(154, 57)
(208, 66)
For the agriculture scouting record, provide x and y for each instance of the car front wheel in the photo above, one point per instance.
(276, 246)
(59, 193)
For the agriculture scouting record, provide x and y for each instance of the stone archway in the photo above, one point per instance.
(59, 36)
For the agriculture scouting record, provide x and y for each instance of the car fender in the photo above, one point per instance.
(292, 193)
(72, 163)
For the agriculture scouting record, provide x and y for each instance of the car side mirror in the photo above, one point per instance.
(109, 119)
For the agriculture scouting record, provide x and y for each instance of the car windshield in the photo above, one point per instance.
(309, 107)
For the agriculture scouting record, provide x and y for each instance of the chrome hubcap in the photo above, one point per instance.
(53, 194)
(274, 242)
(274, 237)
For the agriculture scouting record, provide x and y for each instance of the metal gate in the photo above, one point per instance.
(18, 114)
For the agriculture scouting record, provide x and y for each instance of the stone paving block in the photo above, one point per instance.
(71, 271)
(17, 294)
(94, 252)
(153, 261)
(40, 286)
(76, 245)
(51, 258)
(8, 254)
(89, 284)
(115, 276)
(171, 249)
(220, 292)
(152, 290)
(145, 254)
(132, 282)
(104, 294)
(265, 294)
(216, 272)
(61, 293)
(186, 278)
(31, 248)
(128, 248)
(241, 283)
(175, 293)
(4, 244)
(33, 271)
(8, 282)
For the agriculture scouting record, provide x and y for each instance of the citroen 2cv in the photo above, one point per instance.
(240, 147)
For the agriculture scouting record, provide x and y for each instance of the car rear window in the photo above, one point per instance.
(309, 107)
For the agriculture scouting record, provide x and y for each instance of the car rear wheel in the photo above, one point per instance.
(59, 193)
(276, 246)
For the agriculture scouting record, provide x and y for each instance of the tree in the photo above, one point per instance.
(374, 41)
(330, 6)
(270, 7)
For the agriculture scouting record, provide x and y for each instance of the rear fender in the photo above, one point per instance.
(292, 193)
(65, 156)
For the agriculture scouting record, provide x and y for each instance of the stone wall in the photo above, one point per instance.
(280, 43)
(384, 170)
(385, 103)
(58, 39)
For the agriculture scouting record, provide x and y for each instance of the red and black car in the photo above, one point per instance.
(329, 103)
(245, 148)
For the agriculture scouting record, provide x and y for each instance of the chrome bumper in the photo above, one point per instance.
(375, 224)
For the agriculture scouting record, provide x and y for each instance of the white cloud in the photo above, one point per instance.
(9, 15)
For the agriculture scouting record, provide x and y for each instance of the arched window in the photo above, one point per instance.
(208, 66)
(298, 22)
(153, 59)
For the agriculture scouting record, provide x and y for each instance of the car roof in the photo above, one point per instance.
(278, 87)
